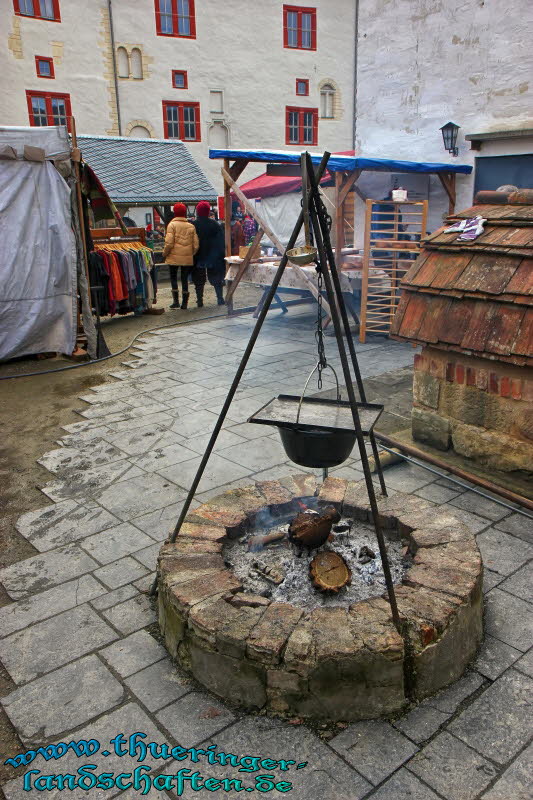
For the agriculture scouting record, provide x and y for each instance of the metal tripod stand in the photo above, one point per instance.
(328, 270)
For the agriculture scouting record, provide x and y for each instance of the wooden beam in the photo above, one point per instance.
(454, 193)
(272, 236)
(339, 221)
(242, 268)
(448, 182)
(348, 183)
(238, 167)
(360, 194)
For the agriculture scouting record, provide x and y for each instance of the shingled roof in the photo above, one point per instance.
(475, 297)
(146, 171)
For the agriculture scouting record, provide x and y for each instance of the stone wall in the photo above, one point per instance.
(331, 663)
(482, 409)
(422, 63)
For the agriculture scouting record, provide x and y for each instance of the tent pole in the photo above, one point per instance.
(227, 209)
(76, 157)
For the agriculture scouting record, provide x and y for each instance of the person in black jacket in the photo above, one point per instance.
(209, 260)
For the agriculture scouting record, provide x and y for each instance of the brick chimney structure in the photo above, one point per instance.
(470, 305)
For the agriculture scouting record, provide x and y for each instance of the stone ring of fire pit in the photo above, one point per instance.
(335, 663)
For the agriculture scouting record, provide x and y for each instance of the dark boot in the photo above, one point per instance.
(200, 296)
(175, 298)
(220, 295)
(185, 301)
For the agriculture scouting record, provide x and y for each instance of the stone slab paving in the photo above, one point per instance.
(79, 640)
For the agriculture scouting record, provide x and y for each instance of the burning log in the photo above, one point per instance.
(272, 574)
(329, 572)
(310, 529)
(256, 543)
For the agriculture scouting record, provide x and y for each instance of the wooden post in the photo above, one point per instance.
(81, 220)
(242, 269)
(339, 223)
(227, 208)
(448, 181)
(453, 193)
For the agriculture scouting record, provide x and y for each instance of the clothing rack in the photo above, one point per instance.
(118, 240)
(135, 301)
(115, 235)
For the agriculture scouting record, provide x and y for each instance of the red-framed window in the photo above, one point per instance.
(302, 87)
(175, 18)
(179, 79)
(301, 125)
(182, 121)
(41, 9)
(299, 27)
(48, 108)
(44, 67)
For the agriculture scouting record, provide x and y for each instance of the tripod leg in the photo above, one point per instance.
(355, 412)
(346, 325)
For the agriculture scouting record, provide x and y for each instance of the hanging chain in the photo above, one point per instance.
(319, 333)
(324, 211)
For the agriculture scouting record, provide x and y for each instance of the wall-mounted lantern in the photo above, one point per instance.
(449, 136)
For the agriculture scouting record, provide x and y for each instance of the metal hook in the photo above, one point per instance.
(307, 384)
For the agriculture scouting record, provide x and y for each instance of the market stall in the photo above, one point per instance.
(346, 170)
(145, 177)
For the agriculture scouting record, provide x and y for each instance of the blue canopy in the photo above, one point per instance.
(342, 163)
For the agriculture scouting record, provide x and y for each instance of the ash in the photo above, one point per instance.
(280, 571)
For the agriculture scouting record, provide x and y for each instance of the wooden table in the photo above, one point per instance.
(261, 273)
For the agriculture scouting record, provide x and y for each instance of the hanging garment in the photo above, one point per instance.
(99, 279)
(128, 266)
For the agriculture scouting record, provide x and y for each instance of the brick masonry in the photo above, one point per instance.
(333, 663)
(481, 408)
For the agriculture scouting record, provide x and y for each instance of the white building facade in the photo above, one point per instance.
(242, 74)
(422, 63)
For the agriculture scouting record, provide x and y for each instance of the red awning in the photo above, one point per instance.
(270, 186)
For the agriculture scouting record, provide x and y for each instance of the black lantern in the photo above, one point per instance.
(449, 136)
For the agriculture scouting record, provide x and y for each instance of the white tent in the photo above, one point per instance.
(38, 253)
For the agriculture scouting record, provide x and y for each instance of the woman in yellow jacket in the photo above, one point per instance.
(181, 244)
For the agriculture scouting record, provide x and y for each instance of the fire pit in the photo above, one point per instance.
(317, 559)
(268, 621)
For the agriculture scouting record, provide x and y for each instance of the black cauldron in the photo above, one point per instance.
(316, 448)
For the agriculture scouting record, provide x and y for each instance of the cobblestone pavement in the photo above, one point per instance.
(80, 643)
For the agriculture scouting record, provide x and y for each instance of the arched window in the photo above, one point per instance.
(139, 132)
(123, 63)
(218, 136)
(136, 64)
(327, 101)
